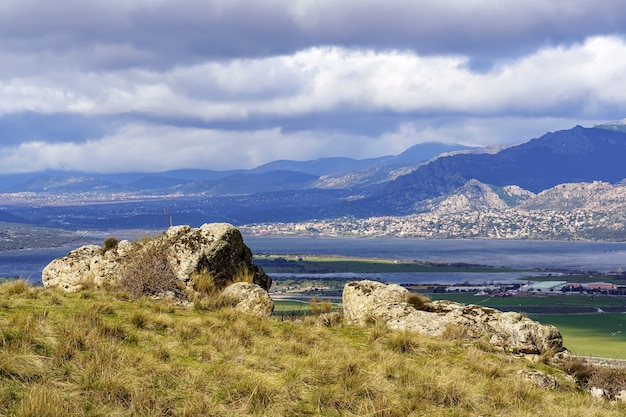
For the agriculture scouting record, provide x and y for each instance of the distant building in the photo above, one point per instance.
(600, 286)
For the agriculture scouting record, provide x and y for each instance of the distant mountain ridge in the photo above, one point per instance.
(574, 169)
(273, 176)
(568, 156)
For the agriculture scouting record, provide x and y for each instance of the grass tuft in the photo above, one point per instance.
(418, 301)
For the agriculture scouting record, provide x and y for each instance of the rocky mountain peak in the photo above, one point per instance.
(473, 196)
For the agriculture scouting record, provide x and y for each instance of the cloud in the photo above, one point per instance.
(298, 79)
(159, 33)
(155, 148)
(586, 77)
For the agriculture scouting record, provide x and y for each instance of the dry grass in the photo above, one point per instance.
(146, 270)
(418, 301)
(62, 354)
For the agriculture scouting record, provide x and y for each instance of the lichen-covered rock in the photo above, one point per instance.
(73, 270)
(214, 253)
(366, 301)
(250, 299)
(538, 378)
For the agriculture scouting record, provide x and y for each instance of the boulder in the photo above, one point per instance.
(250, 299)
(538, 378)
(366, 302)
(214, 253)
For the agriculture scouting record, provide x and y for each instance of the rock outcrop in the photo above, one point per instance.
(250, 299)
(214, 254)
(366, 302)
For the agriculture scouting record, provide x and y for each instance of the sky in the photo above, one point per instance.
(156, 85)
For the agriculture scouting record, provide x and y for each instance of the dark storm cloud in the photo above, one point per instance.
(169, 33)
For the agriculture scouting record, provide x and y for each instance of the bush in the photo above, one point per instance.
(612, 379)
(110, 243)
(146, 270)
(418, 301)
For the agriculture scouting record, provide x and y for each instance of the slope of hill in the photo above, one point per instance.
(595, 196)
(65, 183)
(96, 354)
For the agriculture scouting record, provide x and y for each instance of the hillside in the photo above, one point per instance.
(94, 354)
(575, 155)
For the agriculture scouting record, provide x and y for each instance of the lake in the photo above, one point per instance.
(517, 254)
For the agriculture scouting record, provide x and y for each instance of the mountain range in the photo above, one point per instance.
(426, 178)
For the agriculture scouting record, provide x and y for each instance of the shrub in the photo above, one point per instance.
(146, 270)
(110, 243)
(314, 304)
(418, 301)
(611, 379)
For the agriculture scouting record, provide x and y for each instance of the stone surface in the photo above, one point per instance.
(250, 299)
(539, 379)
(366, 302)
(598, 393)
(215, 252)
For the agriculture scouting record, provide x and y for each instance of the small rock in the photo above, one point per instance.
(250, 299)
(598, 393)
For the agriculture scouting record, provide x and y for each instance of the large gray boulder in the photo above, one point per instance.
(214, 254)
(366, 302)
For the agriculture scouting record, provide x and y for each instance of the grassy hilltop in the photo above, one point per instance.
(104, 354)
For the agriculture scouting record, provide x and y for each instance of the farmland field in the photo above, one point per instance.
(602, 335)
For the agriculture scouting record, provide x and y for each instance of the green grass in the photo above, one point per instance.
(101, 354)
(602, 335)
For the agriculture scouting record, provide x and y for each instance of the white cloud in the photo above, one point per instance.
(154, 148)
(157, 148)
(584, 77)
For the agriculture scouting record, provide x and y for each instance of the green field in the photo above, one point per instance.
(602, 335)
(557, 301)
